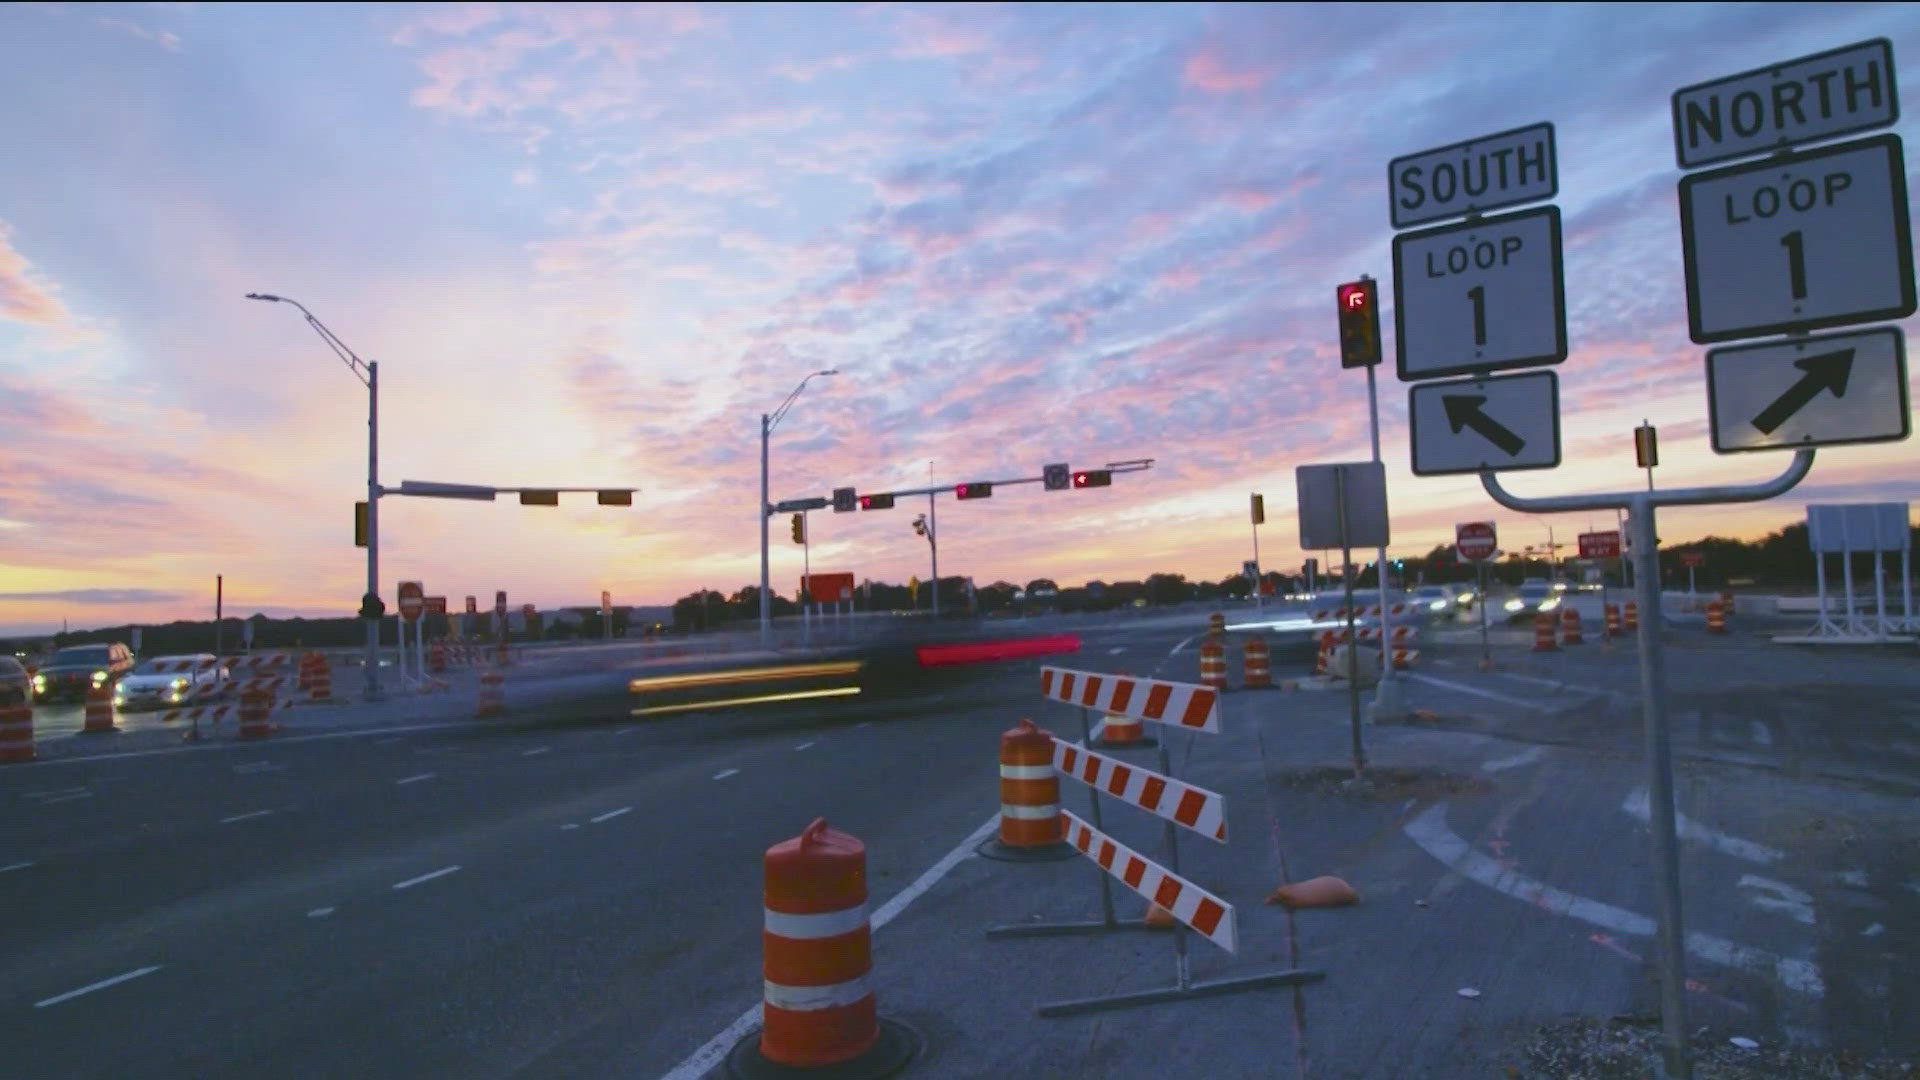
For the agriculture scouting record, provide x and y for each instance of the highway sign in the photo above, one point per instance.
(1056, 477)
(1692, 560)
(791, 505)
(1470, 425)
(1798, 242)
(1473, 177)
(1824, 390)
(1600, 545)
(1359, 488)
(1475, 541)
(1480, 296)
(1823, 96)
(845, 501)
(411, 600)
(436, 605)
(1251, 569)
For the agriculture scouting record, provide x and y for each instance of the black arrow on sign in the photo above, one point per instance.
(1463, 410)
(1828, 371)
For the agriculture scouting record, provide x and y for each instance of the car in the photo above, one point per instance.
(166, 681)
(70, 673)
(16, 684)
(1532, 598)
(1464, 595)
(1433, 601)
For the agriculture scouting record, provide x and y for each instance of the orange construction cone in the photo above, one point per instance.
(1160, 918)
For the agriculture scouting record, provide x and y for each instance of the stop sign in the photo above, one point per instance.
(1475, 540)
(412, 600)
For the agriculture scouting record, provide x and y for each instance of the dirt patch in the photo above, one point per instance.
(1622, 1048)
(1385, 784)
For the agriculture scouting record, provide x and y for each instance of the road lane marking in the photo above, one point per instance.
(804, 745)
(863, 723)
(1640, 807)
(15, 866)
(1429, 830)
(101, 985)
(255, 767)
(204, 747)
(1184, 642)
(319, 913)
(724, 773)
(1474, 690)
(569, 825)
(535, 750)
(1524, 757)
(708, 1056)
(1787, 900)
(610, 815)
(411, 882)
(415, 779)
(1116, 650)
(1762, 734)
(243, 817)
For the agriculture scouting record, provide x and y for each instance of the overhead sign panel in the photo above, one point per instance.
(1480, 296)
(1471, 425)
(1800, 242)
(789, 506)
(1822, 96)
(1342, 505)
(1473, 177)
(1824, 390)
(1600, 545)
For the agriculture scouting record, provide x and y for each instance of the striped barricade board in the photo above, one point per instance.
(1196, 708)
(1206, 913)
(1183, 804)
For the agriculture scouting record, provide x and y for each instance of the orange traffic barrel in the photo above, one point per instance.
(99, 714)
(1213, 665)
(320, 680)
(1259, 674)
(1031, 829)
(1216, 624)
(256, 708)
(1328, 642)
(493, 693)
(1726, 602)
(818, 1008)
(1570, 627)
(1633, 617)
(1543, 633)
(1613, 620)
(16, 734)
(1716, 618)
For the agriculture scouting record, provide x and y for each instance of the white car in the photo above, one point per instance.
(164, 682)
(1433, 601)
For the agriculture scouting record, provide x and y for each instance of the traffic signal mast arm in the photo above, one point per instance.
(1132, 465)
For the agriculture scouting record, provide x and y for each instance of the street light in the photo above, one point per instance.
(371, 607)
(768, 421)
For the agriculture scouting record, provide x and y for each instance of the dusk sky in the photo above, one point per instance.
(590, 245)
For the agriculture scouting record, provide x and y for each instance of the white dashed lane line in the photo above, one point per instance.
(724, 773)
(535, 750)
(243, 817)
(15, 866)
(101, 985)
(610, 815)
(804, 745)
(319, 913)
(411, 882)
(415, 779)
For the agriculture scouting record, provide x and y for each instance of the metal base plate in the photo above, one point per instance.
(1177, 993)
(1052, 929)
(893, 1051)
(992, 848)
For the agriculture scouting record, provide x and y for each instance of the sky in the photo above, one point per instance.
(591, 245)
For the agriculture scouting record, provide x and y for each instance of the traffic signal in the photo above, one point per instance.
(877, 502)
(1093, 478)
(1259, 509)
(1646, 447)
(843, 500)
(360, 524)
(920, 525)
(1359, 323)
(539, 498)
(979, 489)
(616, 497)
(1055, 477)
(799, 528)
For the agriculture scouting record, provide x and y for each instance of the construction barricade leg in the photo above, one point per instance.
(819, 1012)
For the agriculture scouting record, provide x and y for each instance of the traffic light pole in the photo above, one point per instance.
(1387, 703)
(933, 545)
(372, 667)
(766, 511)
(806, 581)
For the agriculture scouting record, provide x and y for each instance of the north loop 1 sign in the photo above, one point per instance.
(1476, 425)
(1824, 390)
(1480, 296)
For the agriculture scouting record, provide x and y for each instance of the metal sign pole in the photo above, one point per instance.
(933, 545)
(1486, 650)
(1353, 644)
(1257, 600)
(1093, 797)
(1386, 701)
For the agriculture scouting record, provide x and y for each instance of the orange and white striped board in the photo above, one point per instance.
(1401, 634)
(263, 660)
(1189, 903)
(1326, 614)
(1196, 708)
(1183, 804)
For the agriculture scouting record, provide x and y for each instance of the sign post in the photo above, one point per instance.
(606, 612)
(412, 604)
(1344, 506)
(1692, 560)
(1477, 542)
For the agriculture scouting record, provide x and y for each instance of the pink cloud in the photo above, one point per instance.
(1207, 70)
(24, 297)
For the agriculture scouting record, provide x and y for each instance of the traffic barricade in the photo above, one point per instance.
(256, 712)
(16, 734)
(1322, 665)
(1716, 617)
(493, 694)
(818, 1007)
(1213, 665)
(1726, 602)
(1613, 620)
(1632, 619)
(1403, 659)
(1543, 640)
(320, 681)
(1570, 627)
(1259, 672)
(1176, 902)
(99, 710)
(1030, 829)
(1216, 625)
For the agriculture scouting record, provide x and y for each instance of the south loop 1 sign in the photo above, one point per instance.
(1480, 296)
(1475, 425)
(1475, 541)
(412, 600)
(1473, 177)
(1600, 545)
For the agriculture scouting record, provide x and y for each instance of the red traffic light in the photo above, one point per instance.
(1093, 478)
(979, 489)
(1356, 296)
(1359, 323)
(877, 502)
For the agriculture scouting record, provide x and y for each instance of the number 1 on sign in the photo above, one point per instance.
(1796, 263)
(1478, 294)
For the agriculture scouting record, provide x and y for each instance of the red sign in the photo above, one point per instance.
(1600, 545)
(1694, 559)
(606, 604)
(1475, 540)
(828, 588)
(436, 605)
(412, 597)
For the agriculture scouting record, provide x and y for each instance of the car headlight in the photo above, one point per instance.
(39, 682)
(1437, 605)
(1465, 598)
(1515, 605)
(179, 684)
(1550, 603)
(99, 677)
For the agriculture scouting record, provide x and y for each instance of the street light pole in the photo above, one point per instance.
(371, 607)
(768, 421)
